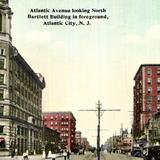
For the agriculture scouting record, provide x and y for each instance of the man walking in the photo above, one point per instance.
(65, 154)
(68, 154)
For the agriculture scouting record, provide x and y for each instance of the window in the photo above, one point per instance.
(18, 130)
(1, 129)
(0, 22)
(158, 80)
(1, 78)
(158, 99)
(1, 110)
(149, 80)
(149, 72)
(158, 71)
(158, 107)
(2, 51)
(1, 94)
(149, 90)
(149, 107)
(158, 89)
(1, 63)
(149, 99)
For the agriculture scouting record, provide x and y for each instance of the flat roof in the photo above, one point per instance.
(59, 112)
(144, 65)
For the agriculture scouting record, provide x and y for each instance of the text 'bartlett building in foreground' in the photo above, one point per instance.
(20, 95)
(146, 96)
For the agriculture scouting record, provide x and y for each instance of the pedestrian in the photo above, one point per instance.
(25, 155)
(46, 154)
(68, 154)
(65, 154)
(12, 153)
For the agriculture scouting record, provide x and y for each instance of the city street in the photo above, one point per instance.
(87, 156)
(104, 156)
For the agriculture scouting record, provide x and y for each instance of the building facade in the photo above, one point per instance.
(52, 140)
(20, 94)
(78, 137)
(63, 122)
(152, 130)
(146, 96)
(85, 143)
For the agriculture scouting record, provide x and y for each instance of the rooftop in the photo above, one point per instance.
(144, 65)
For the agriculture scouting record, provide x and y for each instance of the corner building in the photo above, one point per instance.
(65, 124)
(20, 95)
(146, 96)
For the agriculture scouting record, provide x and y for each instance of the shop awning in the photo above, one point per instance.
(2, 139)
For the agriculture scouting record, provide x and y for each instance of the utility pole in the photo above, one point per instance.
(99, 110)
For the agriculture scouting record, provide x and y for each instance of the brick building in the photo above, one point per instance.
(63, 122)
(78, 137)
(146, 96)
(20, 94)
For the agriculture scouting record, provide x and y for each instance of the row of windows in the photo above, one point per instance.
(56, 123)
(149, 71)
(24, 132)
(62, 118)
(24, 77)
(25, 91)
(64, 123)
(25, 94)
(64, 129)
(149, 90)
(149, 107)
(23, 115)
(149, 80)
(27, 105)
(64, 134)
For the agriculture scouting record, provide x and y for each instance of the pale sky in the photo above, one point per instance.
(84, 64)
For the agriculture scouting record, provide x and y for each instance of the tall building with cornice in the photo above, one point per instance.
(146, 96)
(20, 95)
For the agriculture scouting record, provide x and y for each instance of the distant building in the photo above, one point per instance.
(52, 140)
(20, 95)
(63, 122)
(78, 137)
(85, 143)
(146, 96)
(126, 141)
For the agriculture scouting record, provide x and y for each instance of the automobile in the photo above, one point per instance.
(151, 152)
(137, 152)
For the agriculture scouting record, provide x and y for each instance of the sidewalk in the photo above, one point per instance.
(31, 157)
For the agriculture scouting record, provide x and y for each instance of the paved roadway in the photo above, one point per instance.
(87, 156)
(105, 156)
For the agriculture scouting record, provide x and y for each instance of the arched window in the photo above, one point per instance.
(0, 22)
